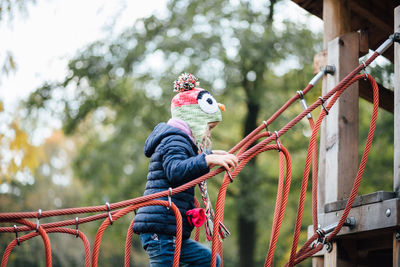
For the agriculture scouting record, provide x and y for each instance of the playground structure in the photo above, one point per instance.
(337, 165)
(351, 28)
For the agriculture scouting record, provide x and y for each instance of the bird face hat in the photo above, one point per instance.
(194, 105)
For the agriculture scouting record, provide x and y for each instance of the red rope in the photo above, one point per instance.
(245, 154)
(281, 201)
(44, 236)
(128, 243)
(125, 211)
(360, 170)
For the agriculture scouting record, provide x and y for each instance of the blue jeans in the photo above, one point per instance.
(161, 249)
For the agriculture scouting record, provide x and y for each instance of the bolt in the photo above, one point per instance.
(397, 236)
(388, 213)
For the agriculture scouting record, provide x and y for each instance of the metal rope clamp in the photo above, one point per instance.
(230, 176)
(109, 212)
(365, 70)
(16, 235)
(277, 141)
(303, 103)
(38, 218)
(76, 227)
(266, 127)
(321, 235)
(169, 198)
(323, 105)
(322, 239)
(328, 244)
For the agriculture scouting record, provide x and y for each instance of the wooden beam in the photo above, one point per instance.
(367, 199)
(396, 181)
(370, 15)
(371, 218)
(386, 96)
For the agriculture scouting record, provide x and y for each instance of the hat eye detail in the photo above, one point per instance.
(207, 102)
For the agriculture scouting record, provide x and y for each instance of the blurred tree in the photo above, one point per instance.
(117, 90)
(19, 157)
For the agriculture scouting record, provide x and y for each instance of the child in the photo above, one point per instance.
(179, 152)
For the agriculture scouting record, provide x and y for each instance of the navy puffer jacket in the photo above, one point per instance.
(174, 161)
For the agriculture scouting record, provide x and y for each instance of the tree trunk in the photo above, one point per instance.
(247, 222)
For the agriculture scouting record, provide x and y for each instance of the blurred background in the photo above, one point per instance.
(82, 84)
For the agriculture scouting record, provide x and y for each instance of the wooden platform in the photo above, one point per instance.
(375, 238)
(379, 210)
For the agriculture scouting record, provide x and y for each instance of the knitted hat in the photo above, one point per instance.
(194, 105)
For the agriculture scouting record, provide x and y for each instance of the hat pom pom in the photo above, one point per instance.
(185, 82)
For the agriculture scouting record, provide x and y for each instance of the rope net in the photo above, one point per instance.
(245, 150)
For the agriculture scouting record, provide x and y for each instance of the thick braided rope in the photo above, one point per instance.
(81, 235)
(46, 242)
(119, 214)
(364, 158)
(221, 199)
(314, 189)
(128, 242)
(362, 164)
(303, 190)
(58, 224)
(281, 201)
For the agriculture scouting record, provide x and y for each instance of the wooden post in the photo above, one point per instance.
(341, 143)
(396, 178)
(339, 137)
(343, 53)
(396, 181)
(396, 251)
(337, 21)
(318, 261)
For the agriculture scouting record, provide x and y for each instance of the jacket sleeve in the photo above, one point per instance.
(179, 163)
